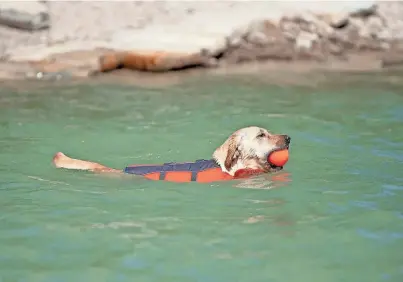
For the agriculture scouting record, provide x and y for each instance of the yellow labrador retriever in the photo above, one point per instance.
(247, 149)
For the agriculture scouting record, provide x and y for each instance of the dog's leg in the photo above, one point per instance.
(60, 160)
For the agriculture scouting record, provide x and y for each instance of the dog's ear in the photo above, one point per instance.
(232, 154)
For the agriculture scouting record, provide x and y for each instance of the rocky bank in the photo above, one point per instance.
(55, 39)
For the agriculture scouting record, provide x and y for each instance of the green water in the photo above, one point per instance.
(334, 214)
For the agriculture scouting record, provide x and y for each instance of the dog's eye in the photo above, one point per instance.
(261, 135)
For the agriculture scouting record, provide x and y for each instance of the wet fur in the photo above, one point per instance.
(248, 148)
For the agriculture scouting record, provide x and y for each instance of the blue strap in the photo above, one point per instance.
(194, 176)
(162, 175)
(194, 168)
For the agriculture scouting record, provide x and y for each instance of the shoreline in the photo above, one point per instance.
(365, 37)
(269, 73)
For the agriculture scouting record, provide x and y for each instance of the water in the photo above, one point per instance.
(334, 214)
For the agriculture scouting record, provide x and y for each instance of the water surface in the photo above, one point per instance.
(334, 214)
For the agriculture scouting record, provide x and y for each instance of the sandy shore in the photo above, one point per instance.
(64, 39)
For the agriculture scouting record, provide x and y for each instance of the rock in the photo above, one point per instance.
(364, 44)
(238, 56)
(339, 20)
(364, 12)
(155, 61)
(371, 27)
(257, 32)
(308, 22)
(184, 61)
(290, 29)
(282, 52)
(264, 32)
(313, 34)
(311, 55)
(397, 46)
(391, 14)
(24, 15)
(236, 38)
(335, 50)
(360, 34)
(385, 45)
(358, 26)
(323, 28)
(344, 39)
(257, 38)
(374, 26)
(218, 48)
(305, 40)
(392, 59)
(385, 35)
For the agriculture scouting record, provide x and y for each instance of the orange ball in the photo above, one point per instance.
(278, 158)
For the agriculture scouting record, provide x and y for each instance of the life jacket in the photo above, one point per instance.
(199, 171)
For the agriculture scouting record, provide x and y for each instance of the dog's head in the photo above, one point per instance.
(248, 148)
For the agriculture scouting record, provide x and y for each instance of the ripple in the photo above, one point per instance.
(131, 229)
(134, 262)
(382, 236)
(365, 205)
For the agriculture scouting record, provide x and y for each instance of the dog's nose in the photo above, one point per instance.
(287, 139)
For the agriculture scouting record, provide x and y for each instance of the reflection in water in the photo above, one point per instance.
(131, 230)
(266, 181)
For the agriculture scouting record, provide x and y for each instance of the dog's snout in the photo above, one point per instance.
(287, 139)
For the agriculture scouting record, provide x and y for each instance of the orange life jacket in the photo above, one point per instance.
(199, 171)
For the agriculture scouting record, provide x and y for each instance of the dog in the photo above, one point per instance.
(244, 153)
